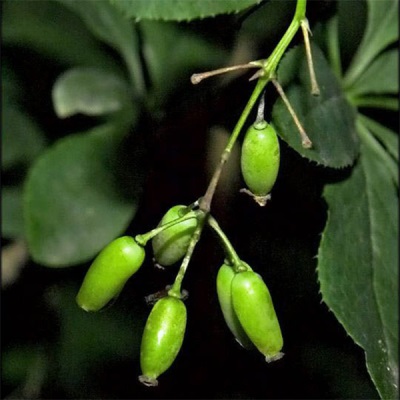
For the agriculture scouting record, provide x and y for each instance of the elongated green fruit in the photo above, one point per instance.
(171, 245)
(110, 270)
(260, 159)
(162, 338)
(224, 290)
(253, 306)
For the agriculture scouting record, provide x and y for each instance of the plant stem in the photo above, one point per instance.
(177, 285)
(143, 238)
(260, 111)
(276, 55)
(229, 250)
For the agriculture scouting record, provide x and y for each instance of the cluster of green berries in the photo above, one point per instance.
(243, 296)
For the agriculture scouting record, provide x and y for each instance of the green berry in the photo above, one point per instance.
(170, 245)
(224, 284)
(162, 338)
(108, 273)
(260, 159)
(254, 308)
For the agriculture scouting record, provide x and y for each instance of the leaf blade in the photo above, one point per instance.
(389, 138)
(354, 284)
(73, 204)
(22, 138)
(91, 91)
(381, 31)
(380, 77)
(44, 29)
(108, 25)
(179, 10)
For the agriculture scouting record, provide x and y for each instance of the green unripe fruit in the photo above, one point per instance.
(260, 159)
(110, 270)
(162, 338)
(224, 290)
(253, 306)
(170, 245)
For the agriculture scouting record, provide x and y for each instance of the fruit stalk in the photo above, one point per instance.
(175, 290)
(230, 252)
(143, 238)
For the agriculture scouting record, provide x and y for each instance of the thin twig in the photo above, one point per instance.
(197, 78)
(305, 27)
(306, 142)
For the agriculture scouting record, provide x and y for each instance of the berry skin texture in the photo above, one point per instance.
(162, 338)
(108, 273)
(260, 159)
(253, 306)
(170, 245)
(224, 285)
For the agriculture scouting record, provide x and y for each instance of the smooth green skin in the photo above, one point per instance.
(162, 338)
(224, 282)
(110, 270)
(253, 306)
(170, 245)
(260, 158)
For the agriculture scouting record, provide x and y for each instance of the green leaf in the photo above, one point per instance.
(22, 139)
(108, 25)
(172, 54)
(381, 31)
(89, 91)
(391, 165)
(389, 138)
(381, 76)
(328, 118)
(178, 10)
(390, 103)
(52, 30)
(12, 222)
(75, 199)
(358, 264)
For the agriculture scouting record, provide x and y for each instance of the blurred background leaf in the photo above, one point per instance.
(108, 25)
(90, 91)
(381, 30)
(74, 200)
(52, 31)
(171, 57)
